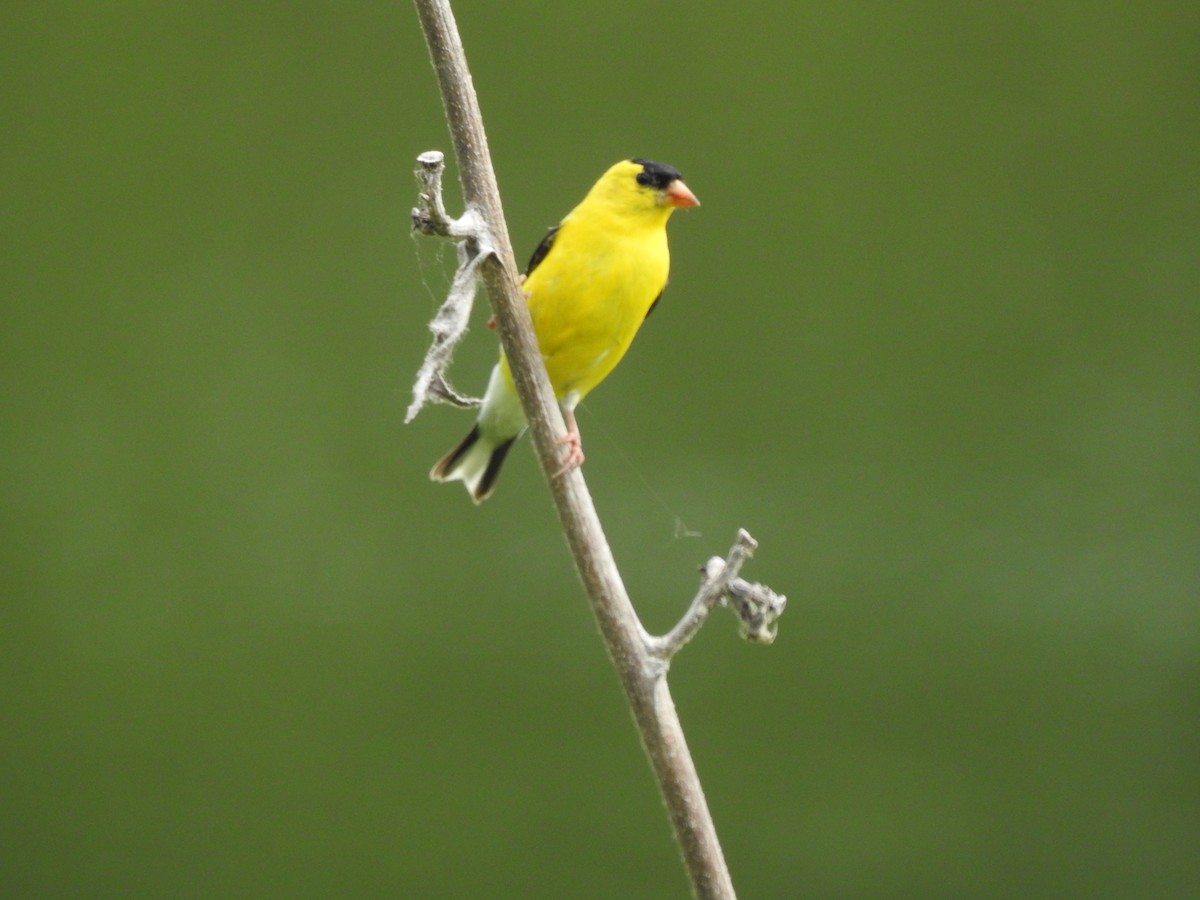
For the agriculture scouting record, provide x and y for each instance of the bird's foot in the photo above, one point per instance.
(573, 457)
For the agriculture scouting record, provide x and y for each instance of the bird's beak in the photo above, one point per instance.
(678, 194)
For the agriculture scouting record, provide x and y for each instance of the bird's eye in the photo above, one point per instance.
(655, 175)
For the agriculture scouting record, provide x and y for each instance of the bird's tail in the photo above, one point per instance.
(475, 462)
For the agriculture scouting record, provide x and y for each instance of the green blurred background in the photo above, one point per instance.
(932, 338)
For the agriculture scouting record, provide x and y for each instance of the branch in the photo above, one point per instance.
(641, 661)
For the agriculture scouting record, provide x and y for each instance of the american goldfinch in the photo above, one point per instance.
(590, 283)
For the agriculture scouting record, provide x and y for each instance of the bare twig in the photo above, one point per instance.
(758, 607)
(717, 574)
(641, 661)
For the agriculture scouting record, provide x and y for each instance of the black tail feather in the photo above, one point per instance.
(487, 483)
(446, 465)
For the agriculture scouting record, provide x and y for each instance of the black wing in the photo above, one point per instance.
(542, 249)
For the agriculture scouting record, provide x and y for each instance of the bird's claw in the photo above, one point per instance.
(573, 457)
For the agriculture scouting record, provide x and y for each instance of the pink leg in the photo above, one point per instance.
(573, 458)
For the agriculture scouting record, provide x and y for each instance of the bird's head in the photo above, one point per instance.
(644, 185)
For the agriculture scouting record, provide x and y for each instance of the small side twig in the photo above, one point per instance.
(758, 608)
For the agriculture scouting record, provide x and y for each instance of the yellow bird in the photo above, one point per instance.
(590, 284)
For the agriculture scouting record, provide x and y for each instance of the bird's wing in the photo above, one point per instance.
(542, 249)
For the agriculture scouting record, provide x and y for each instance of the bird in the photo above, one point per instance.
(589, 285)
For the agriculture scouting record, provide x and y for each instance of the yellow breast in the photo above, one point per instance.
(590, 295)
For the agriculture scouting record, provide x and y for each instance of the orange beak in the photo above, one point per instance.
(678, 194)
